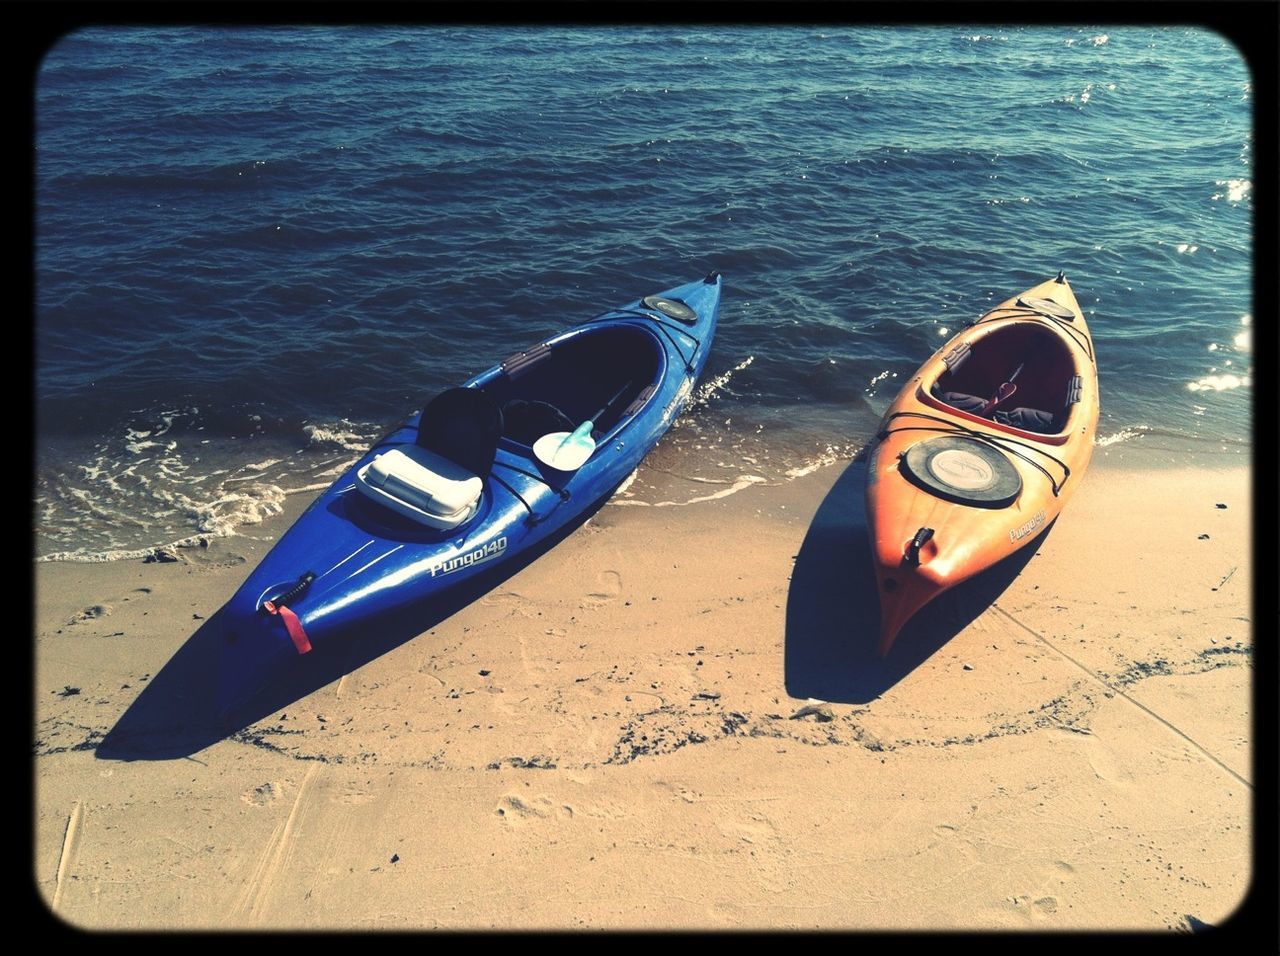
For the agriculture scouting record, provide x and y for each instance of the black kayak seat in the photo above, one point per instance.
(464, 426)
(966, 403)
(1028, 419)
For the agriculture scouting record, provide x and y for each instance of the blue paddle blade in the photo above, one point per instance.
(566, 451)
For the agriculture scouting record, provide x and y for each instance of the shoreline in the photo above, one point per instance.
(688, 736)
(1116, 453)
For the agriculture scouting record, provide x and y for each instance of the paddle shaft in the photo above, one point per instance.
(1004, 392)
(617, 395)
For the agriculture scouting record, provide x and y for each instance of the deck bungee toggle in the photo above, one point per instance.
(278, 607)
(912, 553)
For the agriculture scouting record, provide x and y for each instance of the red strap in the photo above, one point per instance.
(291, 624)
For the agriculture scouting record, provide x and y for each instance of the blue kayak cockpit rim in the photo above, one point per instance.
(580, 371)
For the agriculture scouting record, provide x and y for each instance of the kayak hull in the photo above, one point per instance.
(952, 492)
(348, 558)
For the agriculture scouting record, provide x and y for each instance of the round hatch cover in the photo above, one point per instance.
(963, 470)
(671, 307)
(1048, 307)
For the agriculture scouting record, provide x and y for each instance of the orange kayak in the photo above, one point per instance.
(981, 449)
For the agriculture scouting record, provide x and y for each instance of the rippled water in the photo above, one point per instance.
(256, 248)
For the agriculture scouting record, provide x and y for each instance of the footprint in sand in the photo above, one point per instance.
(510, 602)
(515, 809)
(225, 561)
(353, 795)
(754, 830)
(1046, 905)
(608, 587)
(686, 794)
(91, 613)
(1105, 764)
(1034, 907)
(262, 796)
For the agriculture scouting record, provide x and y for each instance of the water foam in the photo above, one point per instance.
(831, 455)
(1219, 383)
(1124, 435)
(1236, 189)
(136, 494)
(343, 434)
(703, 394)
(743, 482)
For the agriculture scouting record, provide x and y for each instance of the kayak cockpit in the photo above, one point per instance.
(608, 371)
(1020, 375)
(604, 375)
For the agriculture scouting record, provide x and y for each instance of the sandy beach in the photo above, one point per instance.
(691, 735)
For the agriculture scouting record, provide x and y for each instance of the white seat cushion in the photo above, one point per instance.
(422, 485)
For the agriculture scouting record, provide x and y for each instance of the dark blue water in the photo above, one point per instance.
(256, 248)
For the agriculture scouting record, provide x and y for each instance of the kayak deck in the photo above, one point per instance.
(981, 449)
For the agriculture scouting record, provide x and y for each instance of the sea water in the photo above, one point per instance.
(257, 247)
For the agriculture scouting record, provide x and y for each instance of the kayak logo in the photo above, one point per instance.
(494, 549)
(1025, 529)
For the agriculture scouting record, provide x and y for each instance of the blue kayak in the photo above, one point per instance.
(457, 488)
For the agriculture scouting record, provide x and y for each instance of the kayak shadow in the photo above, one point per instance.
(178, 712)
(833, 607)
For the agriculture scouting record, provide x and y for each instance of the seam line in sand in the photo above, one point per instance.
(1111, 687)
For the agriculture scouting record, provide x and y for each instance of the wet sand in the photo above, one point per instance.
(675, 719)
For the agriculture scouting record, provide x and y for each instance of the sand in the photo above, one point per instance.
(674, 719)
